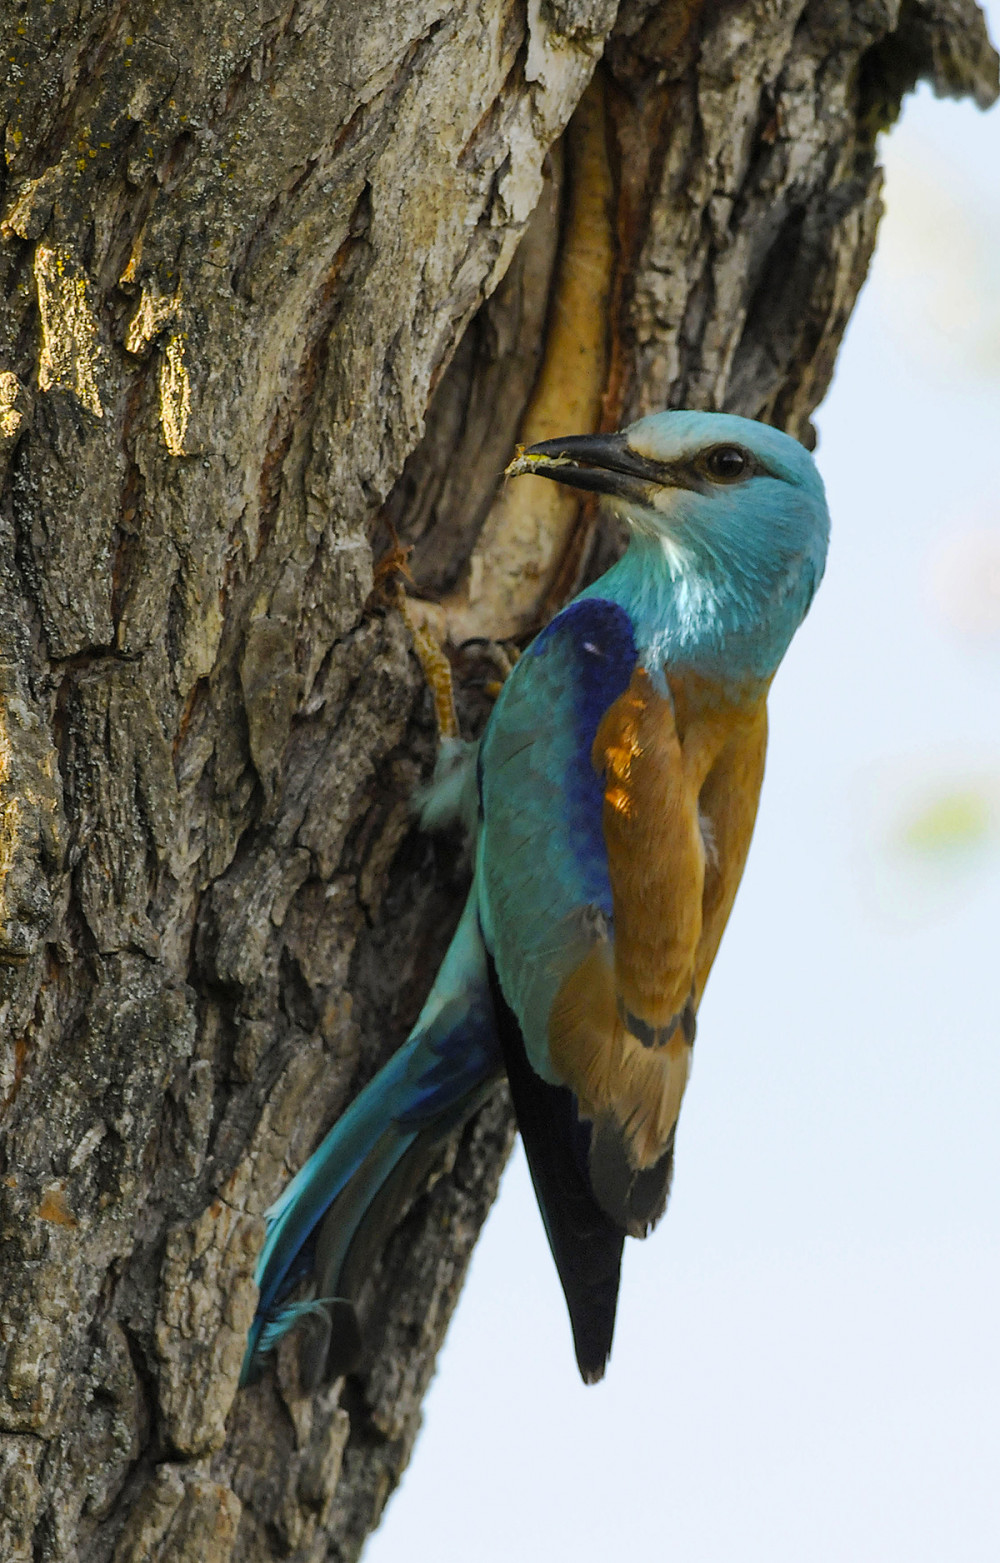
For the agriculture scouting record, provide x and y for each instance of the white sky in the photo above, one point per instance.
(807, 1357)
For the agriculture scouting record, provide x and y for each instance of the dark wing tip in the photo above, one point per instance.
(634, 1200)
(586, 1243)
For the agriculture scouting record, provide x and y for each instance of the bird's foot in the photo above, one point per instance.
(395, 562)
(499, 657)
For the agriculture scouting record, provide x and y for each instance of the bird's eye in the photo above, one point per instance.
(726, 464)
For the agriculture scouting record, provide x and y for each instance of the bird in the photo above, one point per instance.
(611, 801)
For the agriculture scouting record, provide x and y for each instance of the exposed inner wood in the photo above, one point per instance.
(529, 526)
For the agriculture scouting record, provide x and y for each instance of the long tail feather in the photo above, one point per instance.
(586, 1244)
(349, 1186)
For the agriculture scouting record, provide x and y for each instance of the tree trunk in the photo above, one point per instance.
(277, 281)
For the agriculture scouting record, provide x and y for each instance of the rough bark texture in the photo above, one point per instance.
(272, 277)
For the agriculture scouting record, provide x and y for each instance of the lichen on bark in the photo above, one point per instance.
(275, 282)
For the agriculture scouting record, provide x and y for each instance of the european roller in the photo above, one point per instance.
(611, 806)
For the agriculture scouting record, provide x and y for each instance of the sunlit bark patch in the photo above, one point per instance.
(175, 395)
(70, 348)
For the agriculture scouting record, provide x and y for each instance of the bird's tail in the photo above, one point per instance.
(332, 1219)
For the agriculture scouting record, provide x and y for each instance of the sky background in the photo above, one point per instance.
(807, 1355)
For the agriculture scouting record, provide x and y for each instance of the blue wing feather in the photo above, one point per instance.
(594, 640)
(542, 861)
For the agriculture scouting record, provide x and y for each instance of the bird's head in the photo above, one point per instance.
(734, 509)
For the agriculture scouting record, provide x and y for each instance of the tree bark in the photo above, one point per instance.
(278, 280)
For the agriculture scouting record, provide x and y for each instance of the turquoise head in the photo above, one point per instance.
(729, 531)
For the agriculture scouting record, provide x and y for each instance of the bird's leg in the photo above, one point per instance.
(427, 623)
(437, 668)
(450, 796)
(388, 588)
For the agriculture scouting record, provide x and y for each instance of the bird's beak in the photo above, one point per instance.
(600, 463)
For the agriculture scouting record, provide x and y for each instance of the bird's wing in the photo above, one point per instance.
(545, 891)
(591, 872)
